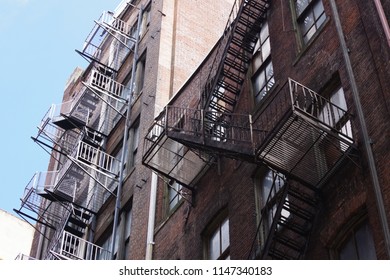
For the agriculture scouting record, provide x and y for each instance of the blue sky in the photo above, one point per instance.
(37, 56)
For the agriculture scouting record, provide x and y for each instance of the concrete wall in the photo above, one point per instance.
(15, 236)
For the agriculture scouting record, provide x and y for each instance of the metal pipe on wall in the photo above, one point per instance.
(125, 136)
(364, 130)
(383, 19)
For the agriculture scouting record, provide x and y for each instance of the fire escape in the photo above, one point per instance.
(299, 134)
(64, 201)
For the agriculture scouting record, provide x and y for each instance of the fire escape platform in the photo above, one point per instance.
(298, 133)
(171, 158)
(302, 139)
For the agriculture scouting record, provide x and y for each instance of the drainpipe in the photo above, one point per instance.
(40, 244)
(383, 20)
(151, 220)
(125, 136)
(362, 123)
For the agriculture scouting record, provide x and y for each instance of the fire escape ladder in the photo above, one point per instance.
(286, 223)
(227, 75)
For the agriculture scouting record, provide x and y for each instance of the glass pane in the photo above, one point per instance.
(300, 6)
(348, 251)
(266, 49)
(225, 235)
(259, 82)
(365, 243)
(267, 184)
(318, 9)
(214, 250)
(257, 61)
(128, 223)
(320, 20)
(307, 23)
(264, 33)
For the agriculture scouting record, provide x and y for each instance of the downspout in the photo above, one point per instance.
(383, 20)
(362, 123)
(125, 136)
(40, 244)
(151, 220)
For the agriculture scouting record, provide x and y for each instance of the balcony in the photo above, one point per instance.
(86, 177)
(72, 247)
(109, 32)
(298, 132)
(170, 157)
(35, 207)
(306, 135)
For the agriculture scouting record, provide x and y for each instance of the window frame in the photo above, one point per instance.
(177, 196)
(262, 65)
(300, 18)
(215, 227)
(349, 231)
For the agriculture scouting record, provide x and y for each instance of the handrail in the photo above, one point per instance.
(106, 84)
(74, 247)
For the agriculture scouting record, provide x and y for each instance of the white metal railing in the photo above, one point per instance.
(23, 257)
(107, 85)
(93, 156)
(108, 18)
(74, 247)
(45, 181)
(321, 109)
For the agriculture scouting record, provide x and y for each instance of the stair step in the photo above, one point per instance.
(228, 87)
(77, 232)
(77, 222)
(249, 34)
(258, 6)
(292, 244)
(297, 210)
(240, 55)
(302, 196)
(240, 66)
(82, 214)
(286, 222)
(241, 45)
(219, 108)
(239, 79)
(279, 255)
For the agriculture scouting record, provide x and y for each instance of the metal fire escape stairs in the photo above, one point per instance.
(74, 133)
(227, 75)
(286, 221)
(299, 133)
(163, 150)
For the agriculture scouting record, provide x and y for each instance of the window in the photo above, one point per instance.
(127, 230)
(263, 78)
(104, 253)
(217, 239)
(174, 194)
(117, 162)
(140, 75)
(134, 143)
(268, 184)
(145, 21)
(359, 244)
(310, 16)
(334, 115)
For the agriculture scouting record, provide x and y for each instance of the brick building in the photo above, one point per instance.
(221, 130)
